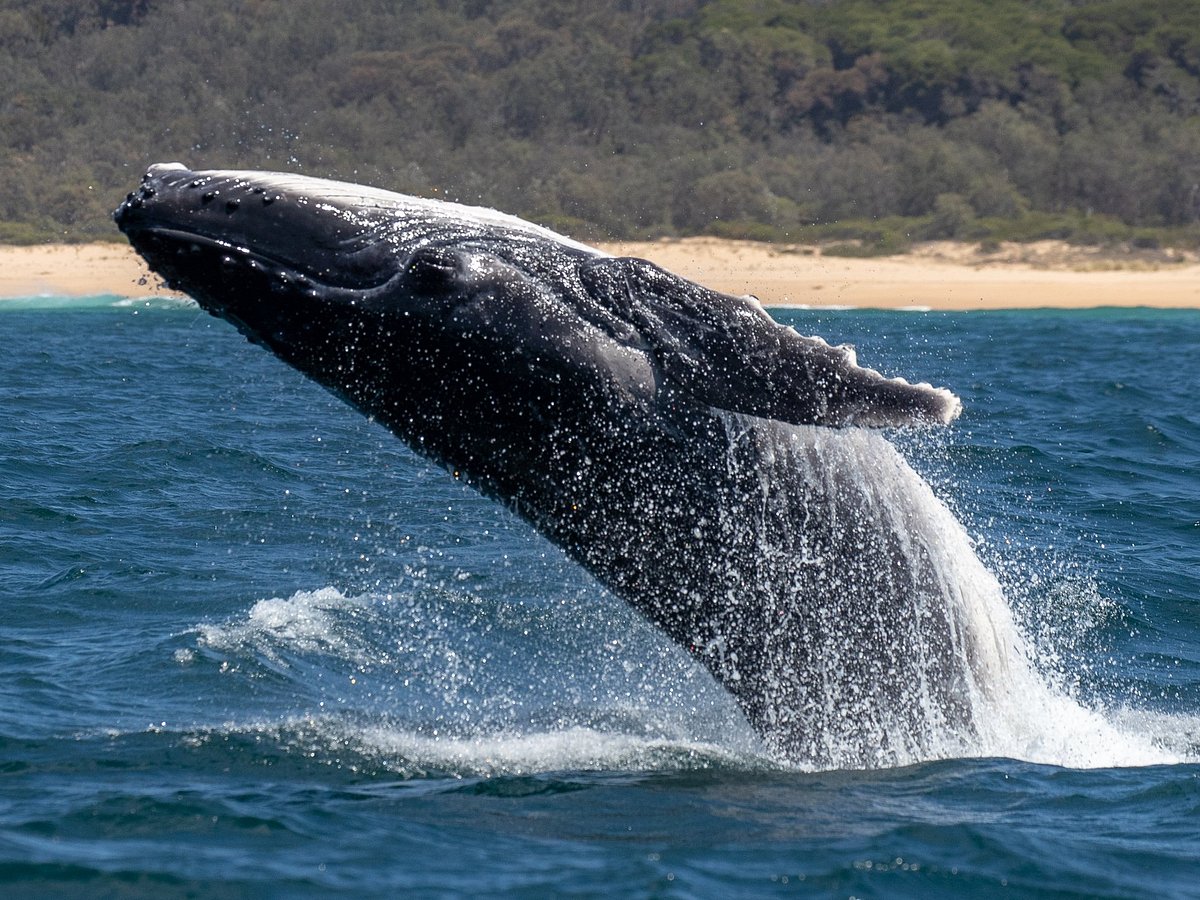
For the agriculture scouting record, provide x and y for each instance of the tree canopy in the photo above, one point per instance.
(626, 118)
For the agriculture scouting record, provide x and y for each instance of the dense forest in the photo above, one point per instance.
(886, 120)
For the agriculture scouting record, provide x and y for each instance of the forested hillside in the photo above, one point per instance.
(885, 119)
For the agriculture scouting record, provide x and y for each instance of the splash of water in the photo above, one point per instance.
(912, 651)
(905, 642)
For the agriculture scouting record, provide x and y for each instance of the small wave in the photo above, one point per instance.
(389, 750)
(813, 307)
(52, 302)
(158, 301)
(384, 749)
(572, 749)
(307, 622)
(1067, 735)
(841, 307)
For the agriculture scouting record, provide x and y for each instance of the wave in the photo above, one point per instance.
(323, 622)
(400, 683)
(415, 753)
(53, 302)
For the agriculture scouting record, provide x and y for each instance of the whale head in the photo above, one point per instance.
(438, 318)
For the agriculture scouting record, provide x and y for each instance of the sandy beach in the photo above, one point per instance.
(940, 275)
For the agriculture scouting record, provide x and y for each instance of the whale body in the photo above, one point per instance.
(711, 467)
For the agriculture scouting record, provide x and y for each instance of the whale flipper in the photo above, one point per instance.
(728, 353)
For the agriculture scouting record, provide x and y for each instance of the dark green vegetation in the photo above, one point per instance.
(881, 121)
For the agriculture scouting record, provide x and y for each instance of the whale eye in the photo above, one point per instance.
(433, 268)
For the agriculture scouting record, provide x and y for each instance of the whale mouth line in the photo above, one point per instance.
(241, 254)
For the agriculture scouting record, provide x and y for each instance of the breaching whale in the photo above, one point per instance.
(702, 461)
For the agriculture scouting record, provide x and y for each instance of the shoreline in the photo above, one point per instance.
(938, 276)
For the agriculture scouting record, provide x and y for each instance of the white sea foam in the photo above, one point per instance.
(409, 752)
(158, 301)
(570, 749)
(321, 621)
(1016, 711)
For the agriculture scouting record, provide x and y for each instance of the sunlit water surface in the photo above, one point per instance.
(250, 644)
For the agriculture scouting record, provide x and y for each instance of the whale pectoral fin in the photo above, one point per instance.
(728, 353)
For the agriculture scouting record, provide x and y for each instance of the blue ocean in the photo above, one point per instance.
(253, 646)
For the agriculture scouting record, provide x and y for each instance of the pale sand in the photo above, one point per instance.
(75, 270)
(937, 276)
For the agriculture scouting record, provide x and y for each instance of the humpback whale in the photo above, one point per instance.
(703, 462)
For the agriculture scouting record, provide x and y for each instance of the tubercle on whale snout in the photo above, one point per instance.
(198, 193)
(235, 220)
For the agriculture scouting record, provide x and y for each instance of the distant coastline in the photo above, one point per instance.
(939, 275)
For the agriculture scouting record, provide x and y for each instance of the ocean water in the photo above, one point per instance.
(250, 645)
